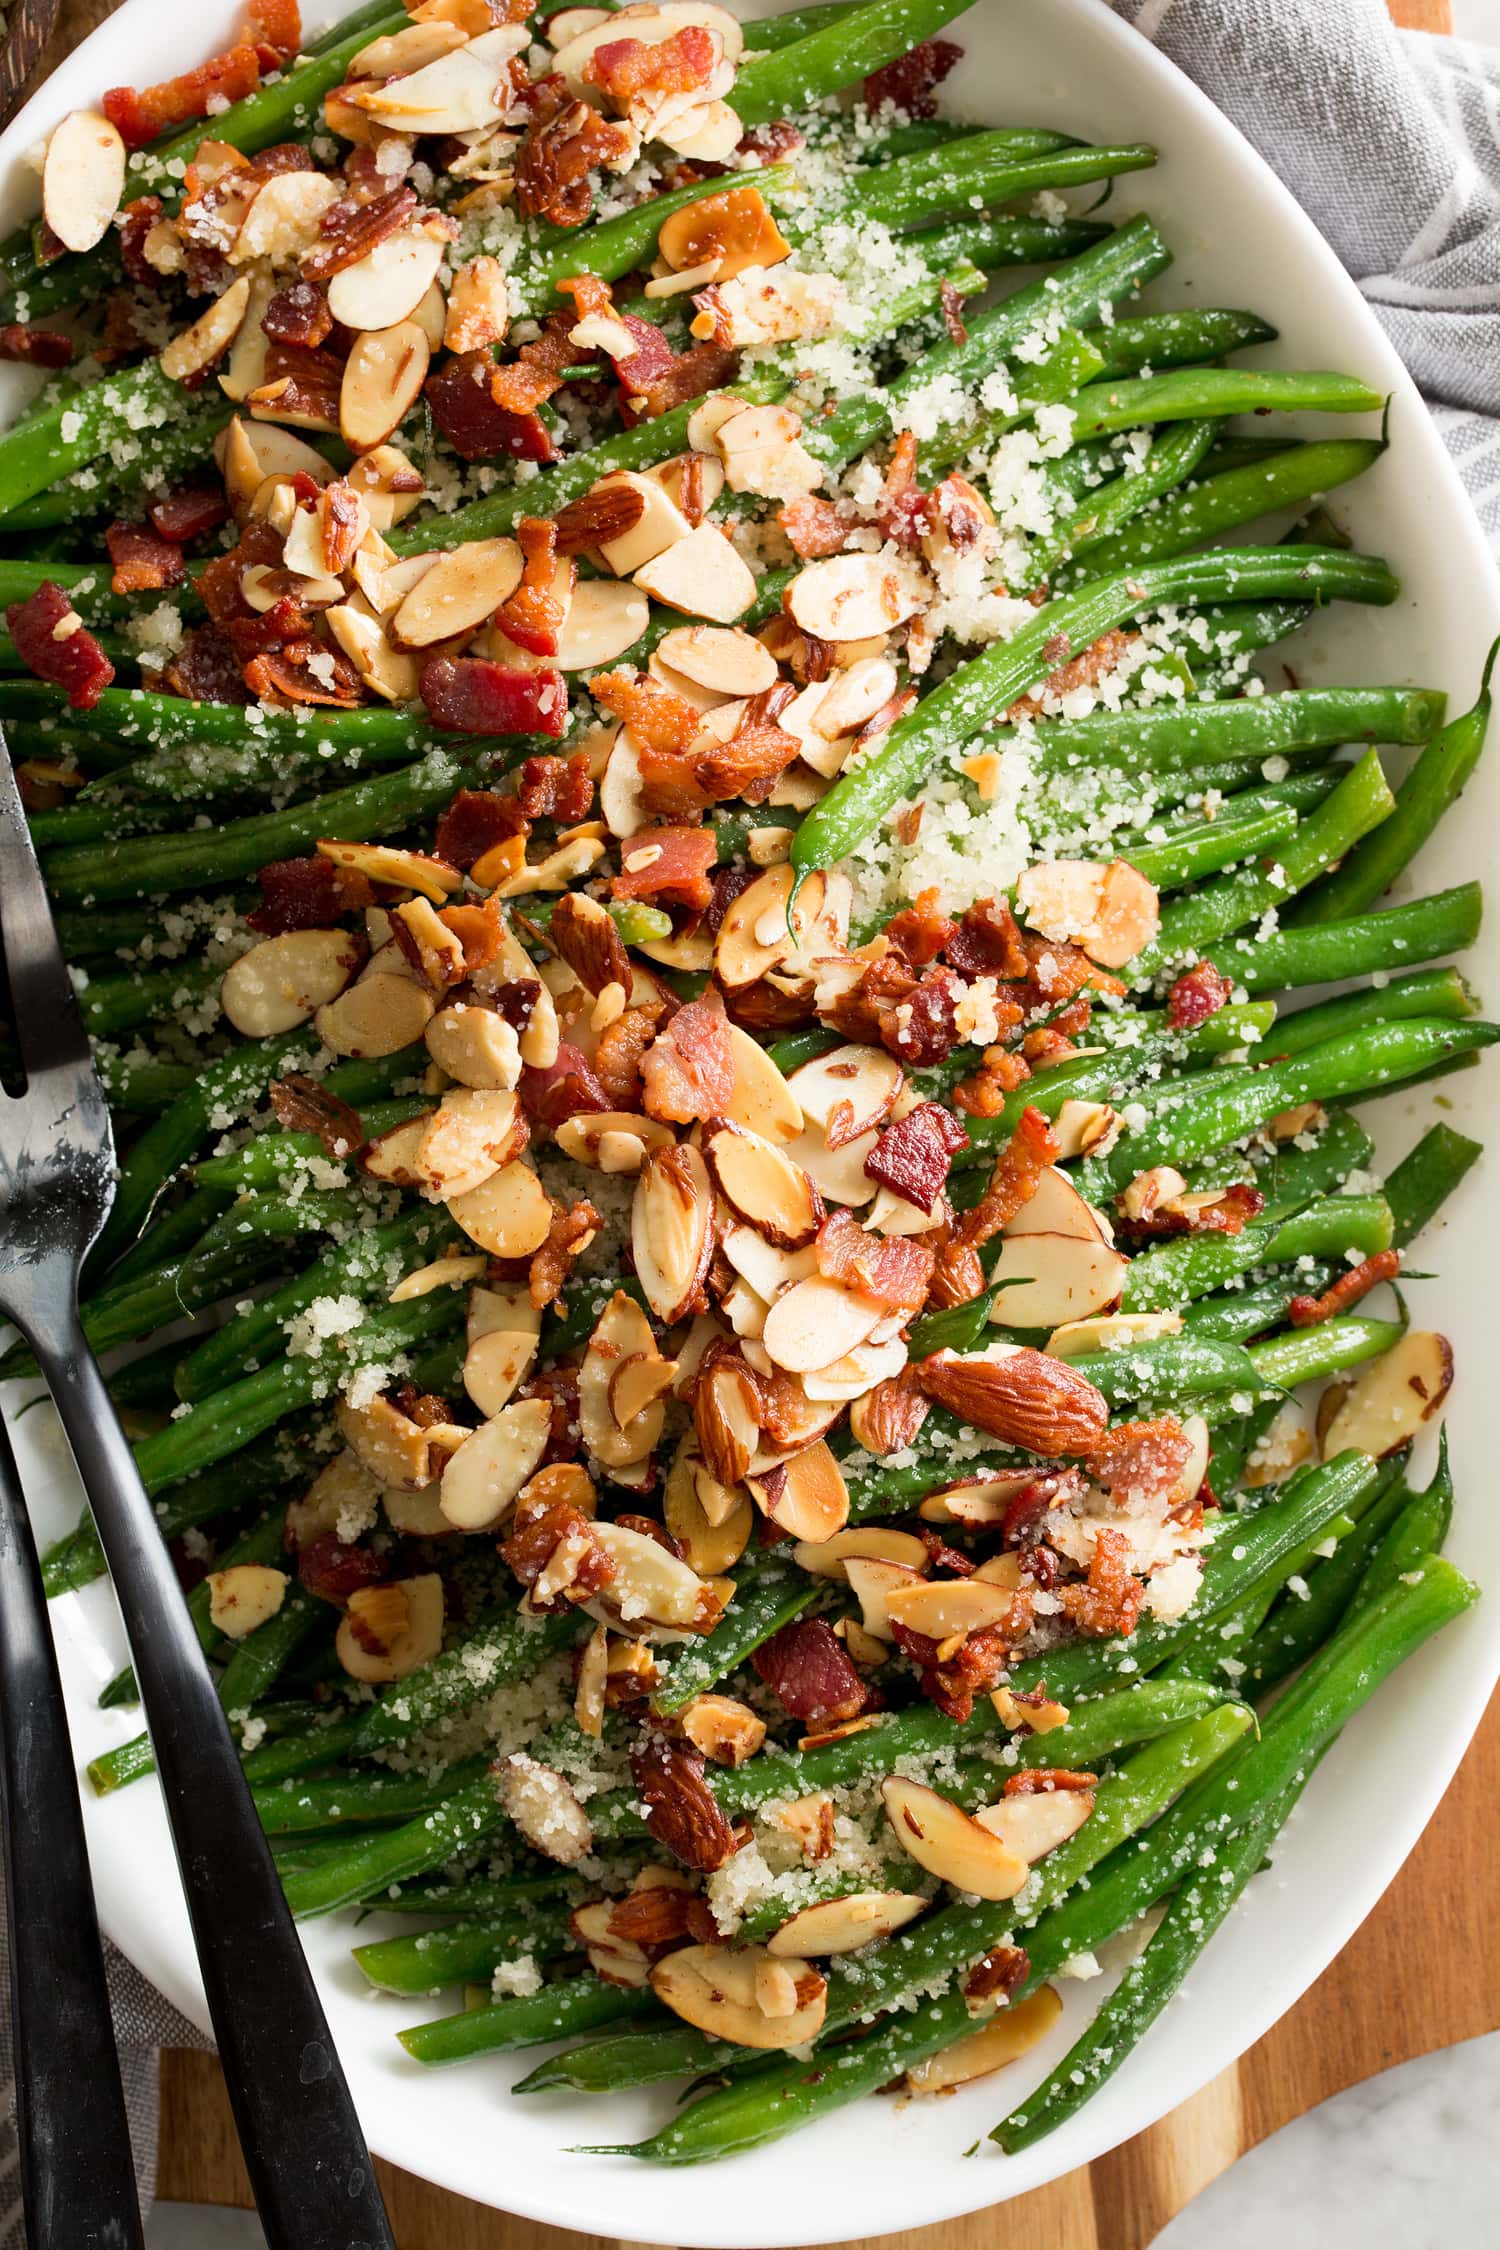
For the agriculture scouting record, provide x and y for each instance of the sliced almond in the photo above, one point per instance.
(83, 178)
(1112, 911)
(651, 1591)
(245, 1596)
(763, 453)
(386, 863)
(977, 1500)
(754, 934)
(712, 1543)
(762, 1186)
(475, 1045)
(416, 1643)
(439, 1273)
(853, 1085)
(1043, 1280)
(392, 1155)
(854, 597)
(671, 1230)
(284, 218)
(1111, 1332)
(394, 1449)
(718, 1990)
(284, 980)
(1056, 1207)
(494, 1365)
(817, 1321)
(946, 1608)
(378, 1015)
(509, 1214)
(382, 379)
(387, 285)
(721, 658)
(1011, 2033)
(404, 51)
(545, 1808)
(470, 1135)
(612, 1140)
(463, 588)
(1388, 1404)
(604, 619)
(481, 1479)
(725, 1730)
(842, 1925)
(622, 1337)
(941, 1837)
(829, 1558)
(805, 1496)
(873, 1581)
(210, 335)
(460, 92)
(660, 525)
(1083, 1126)
(762, 1099)
(857, 1372)
(247, 453)
(702, 575)
(389, 485)
(1035, 1825)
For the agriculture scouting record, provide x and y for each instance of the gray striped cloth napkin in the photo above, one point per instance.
(1391, 141)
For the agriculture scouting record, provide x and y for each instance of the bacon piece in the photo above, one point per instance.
(555, 159)
(143, 561)
(473, 695)
(913, 1157)
(1306, 1312)
(474, 423)
(1059, 970)
(1037, 1781)
(757, 754)
(349, 231)
(138, 116)
(808, 1670)
(533, 615)
(190, 510)
(669, 866)
(977, 1665)
(953, 312)
(627, 68)
(619, 1054)
(472, 823)
(815, 527)
(940, 1556)
(999, 1074)
(904, 512)
(1110, 1601)
(331, 1570)
(274, 29)
(921, 930)
(891, 1270)
(1230, 1215)
(658, 719)
(688, 1072)
(206, 669)
(135, 223)
(651, 361)
(706, 367)
(304, 1105)
(1200, 992)
(910, 82)
(285, 624)
(567, 1088)
(999, 1973)
(921, 1030)
(520, 388)
(35, 347)
(302, 382)
(299, 314)
(52, 642)
(533, 1545)
(555, 788)
(1139, 1463)
(1084, 670)
(1013, 1182)
(304, 672)
(988, 942)
(568, 1237)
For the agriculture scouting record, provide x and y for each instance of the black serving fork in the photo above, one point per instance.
(309, 2167)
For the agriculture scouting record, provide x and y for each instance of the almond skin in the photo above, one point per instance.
(1026, 1399)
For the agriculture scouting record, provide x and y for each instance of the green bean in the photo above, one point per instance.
(1159, 1280)
(1435, 782)
(502, 1648)
(1306, 1355)
(1396, 938)
(140, 1083)
(772, 1598)
(1194, 1367)
(801, 75)
(1212, 845)
(275, 1157)
(49, 443)
(1300, 1622)
(985, 168)
(1426, 1177)
(323, 1744)
(295, 1807)
(367, 1865)
(1421, 1528)
(1426, 992)
(262, 1543)
(1152, 340)
(458, 1951)
(556, 2012)
(992, 681)
(170, 1234)
(257, 1471)
(1098, 514)
(1291, 1176)
(110, 1005)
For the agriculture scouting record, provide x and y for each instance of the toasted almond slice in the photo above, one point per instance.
(244, 1596)
(842, 1925)
(604, 619)
(248, 453)
(481, 1479)
(754, 935)
(471, 1134)
(509, 1214)
(461, 92)
(464, 587)
(727, 1410)
(762, 1100)
(385, 863)
(401, 52)
(475, 1045)
(863, 1082)
(1111, 910)
(763, 453)
(873, 1581)
(805, 1495)
(660, 525)
(854, 597)
(416, 1515)
(710, 476)
(621, 1335)
(1081, 1126)
(702, 575)
(817, 1321)
(651, 1591)
(829, 1558)
(1149, 1190)
(839, 1175)
(1041, 1717)
(378, 1015)
(1056, 1207)
(671, 1230)
(857, 1372)
(284, 218)
(1035, 1825)
(1043, 1280)
(711, 1543)
(502, 1308)
(721, 658)
(568, 23)
(210, 335)
(545, 1808)
(762, 1186)
(725, 1730)
(83, 178)
(494, 1364)
(718, 1991)
(977, 1500)
(416, 1641)
(612, 1140)
(941, 1837)
(382, 379)
(767, 1270)
(588, 1698)
(392, 1155)
(386, 285)
(389, 485)
(948, 1606)
(284, 980)
(439, 1273)
(1111, 1332)
(1010, 2034)
(1388, 1404)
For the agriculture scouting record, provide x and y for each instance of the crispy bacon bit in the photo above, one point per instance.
(189, 511)
(669, 866)
(650, 361)
(473, 695)
(307, 894)
(532, 1551)
(558, 154)
(815, 527)
(953, 312)
(757, 754)
(688, 1072)
(138, 116)
(300, 382)
(913, 1157)
(992, 1980)
(473, 823)
(1306, 1312)
(910, 82)
(617, 1058)
(728, 885)
(52, 642)
(977, 1665)
(772, 142)
(568, 1087)
(568, 1237)
(946, 1560)
(35, 347)
(904, 512)
(331, 1571)
(1086, 669)
(1111, 1600)
(682, 1812)
(706, 367)
(922, 1029)
(304, 1105)
(299, 314)
(1013, 1182)
(596, 518)
(304, 672)
(1139, 1463)
(206, 669)
(350, 231)
(143, 562)
(891, 1270)
(521, 388)
(921, 930)
(988, 942)
(999, 1074)
(1039, 1781)
(1200, 992)
(533, 615)
(627, 68)
(555, 788)
(274, 29)
(658, 719)
(809, 1672)
(136, 221)
(475, 424)
(1233, 1211)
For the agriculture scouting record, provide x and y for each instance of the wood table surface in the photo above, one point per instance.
(1423, 1972)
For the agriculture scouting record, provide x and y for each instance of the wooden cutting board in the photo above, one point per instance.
(1422, 1973)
